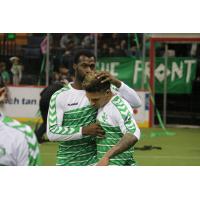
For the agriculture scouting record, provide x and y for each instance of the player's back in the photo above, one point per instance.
(18, 144)
(76, 113)
(47, 93)
(116, 119)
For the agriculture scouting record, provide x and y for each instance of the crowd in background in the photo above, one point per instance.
(26, 66)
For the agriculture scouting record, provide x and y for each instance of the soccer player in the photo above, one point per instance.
(18, 144)
(115, 116)
(71, 118)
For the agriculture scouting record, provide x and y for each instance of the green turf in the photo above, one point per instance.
(183, 149)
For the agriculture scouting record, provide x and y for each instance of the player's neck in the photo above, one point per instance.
(77, 85)
(109, 97)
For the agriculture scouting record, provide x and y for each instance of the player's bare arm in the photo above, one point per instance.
(127, 141)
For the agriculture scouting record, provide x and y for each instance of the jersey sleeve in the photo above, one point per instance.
(55, 130)
(127, 93)
(125, 119)
(22, 153)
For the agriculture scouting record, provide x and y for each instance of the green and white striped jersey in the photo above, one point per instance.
(69, 111)
(116, 118)
(18, 144)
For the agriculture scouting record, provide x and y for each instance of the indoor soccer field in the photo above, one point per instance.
(181, 149)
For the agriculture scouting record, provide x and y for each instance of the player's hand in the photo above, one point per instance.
(106, 76)
(103, 162)
(93, 130)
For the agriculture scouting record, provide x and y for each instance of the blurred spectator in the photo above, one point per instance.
(67, 61)
(62, 75)
(55, 77)
(104, 50)
(88, 41)
(16, 70)
(4, 74)
(123, 44)
(115, 39)
(132, 51)
(119, 51)
(68, 42)
(65, 71)
(111, 51)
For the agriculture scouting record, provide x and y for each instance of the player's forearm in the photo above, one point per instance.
(130, 95)
(60, 133)
(55, 130)
(127, 141)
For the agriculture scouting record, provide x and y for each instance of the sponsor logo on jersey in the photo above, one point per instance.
(104, 117)
(72, 104)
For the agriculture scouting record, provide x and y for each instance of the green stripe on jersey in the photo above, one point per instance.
(78, 152)
(80, 117)
(112, 136)
(75, 152)
(33, 148)
(52, 107)
(125, 113)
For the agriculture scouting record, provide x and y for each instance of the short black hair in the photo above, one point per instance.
(92, 84)
(83, 52)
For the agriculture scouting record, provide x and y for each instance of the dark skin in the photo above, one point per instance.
(108, 77)
(98, 100)
(126, 142)
(84, 66)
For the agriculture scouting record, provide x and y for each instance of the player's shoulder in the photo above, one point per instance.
(119, 102)
(51, 89)
(62, 92)
(64, 89)
(121, 106)
(12, 134)
(17, 126)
